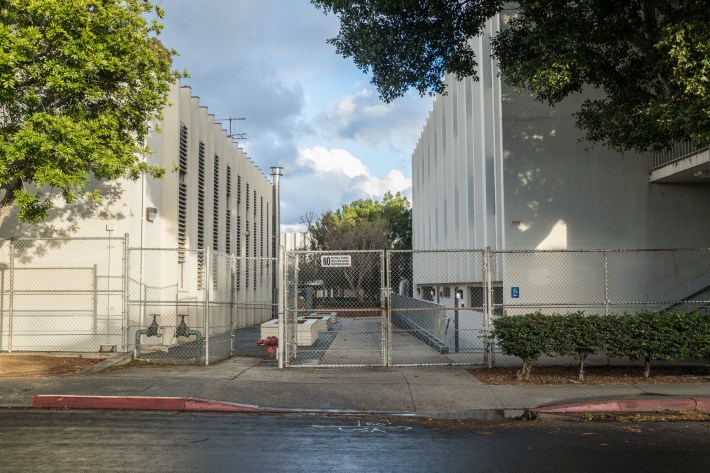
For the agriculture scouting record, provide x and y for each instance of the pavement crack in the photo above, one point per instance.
(411, 394)
(241, 373)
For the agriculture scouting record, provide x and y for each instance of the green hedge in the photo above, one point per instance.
(646, 336)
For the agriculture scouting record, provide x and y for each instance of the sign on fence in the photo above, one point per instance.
(335, 261)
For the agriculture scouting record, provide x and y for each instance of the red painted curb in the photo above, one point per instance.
(139, 403)
(193, 404)
(646, 405)
(703, 405)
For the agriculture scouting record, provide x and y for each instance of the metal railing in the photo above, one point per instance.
(680, 150)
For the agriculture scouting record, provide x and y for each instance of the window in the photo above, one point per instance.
(478, 298)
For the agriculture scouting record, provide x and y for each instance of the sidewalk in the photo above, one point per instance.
(246, 384)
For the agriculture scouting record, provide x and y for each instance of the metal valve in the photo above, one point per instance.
(152, 328)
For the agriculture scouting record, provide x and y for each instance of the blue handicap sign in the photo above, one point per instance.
(515, 292)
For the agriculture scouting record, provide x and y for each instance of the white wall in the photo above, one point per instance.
(496, 169)
(124, 209)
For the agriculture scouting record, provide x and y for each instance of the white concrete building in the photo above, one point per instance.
(211, 196)
(496, 169)
(225, 195)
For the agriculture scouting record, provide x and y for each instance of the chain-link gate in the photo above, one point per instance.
(438, 303)
(335, 308)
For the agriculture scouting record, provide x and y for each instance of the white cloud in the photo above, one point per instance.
(323, 179)
(363, 117)
(323, 161)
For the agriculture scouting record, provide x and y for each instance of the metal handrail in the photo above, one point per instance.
(680, 150)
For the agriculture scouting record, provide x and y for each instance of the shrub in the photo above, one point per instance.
(578, 335)
(525, 336)
(698, 335)
(651, 336)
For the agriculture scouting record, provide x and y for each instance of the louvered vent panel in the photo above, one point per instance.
(182, 193)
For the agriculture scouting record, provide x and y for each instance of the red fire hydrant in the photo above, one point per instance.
(270, 343)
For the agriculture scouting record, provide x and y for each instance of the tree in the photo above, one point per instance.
(363, 224)
(649, 57)
(80, 81)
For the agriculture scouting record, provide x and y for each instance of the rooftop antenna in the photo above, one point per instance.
(234, 136)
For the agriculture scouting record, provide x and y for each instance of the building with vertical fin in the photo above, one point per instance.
(495, 169)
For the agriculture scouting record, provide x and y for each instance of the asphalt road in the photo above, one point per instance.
(72, 441)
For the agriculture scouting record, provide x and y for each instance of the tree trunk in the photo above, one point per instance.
(524, 372)
(9, 199)
(647, 368)
(580, 371)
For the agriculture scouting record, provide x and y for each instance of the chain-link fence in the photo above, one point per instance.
(167, 299)
(335, 308)
(341, 308)
(254, 303)
(62, 294)
(439, 306)
(96, 294)
(197, 304)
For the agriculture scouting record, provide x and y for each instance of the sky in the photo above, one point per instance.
(307, 109)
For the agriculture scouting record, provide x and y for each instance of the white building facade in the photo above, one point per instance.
(202, 234)
(494, 169)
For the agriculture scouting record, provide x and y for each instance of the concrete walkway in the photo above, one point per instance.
(252, 384)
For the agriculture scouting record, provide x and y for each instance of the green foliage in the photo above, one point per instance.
(526, 336)
(647, 336)
(698, 335)
(650, 58)
(409, 43)
(654, 336)
(364, 224)
(80, 81)
(578, 335)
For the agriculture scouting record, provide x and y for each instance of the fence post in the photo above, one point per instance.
(487, 300)
(292, 327)
(232, 307)
(279, 291)
(206, 318)
(606, 283)
(95, 302)
(12, 296)
(126, 285)
(387, 327)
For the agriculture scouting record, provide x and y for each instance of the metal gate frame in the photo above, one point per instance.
(290, 263)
